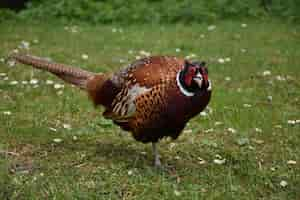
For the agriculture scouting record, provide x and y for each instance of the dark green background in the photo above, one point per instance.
(154, 11)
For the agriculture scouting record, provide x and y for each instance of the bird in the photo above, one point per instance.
(153, 97)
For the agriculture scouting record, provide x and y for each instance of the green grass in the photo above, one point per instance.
(104, 163)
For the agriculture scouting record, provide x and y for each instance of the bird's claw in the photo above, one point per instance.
(157, 163)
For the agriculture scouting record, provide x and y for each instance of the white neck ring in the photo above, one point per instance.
(181, 88)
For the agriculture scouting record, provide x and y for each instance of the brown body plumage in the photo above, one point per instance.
(152, 98)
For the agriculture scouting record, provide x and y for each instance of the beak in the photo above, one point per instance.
(198, 79)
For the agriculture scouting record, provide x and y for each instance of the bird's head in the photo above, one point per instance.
(194, 76)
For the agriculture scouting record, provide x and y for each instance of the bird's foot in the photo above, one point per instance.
(157, 163)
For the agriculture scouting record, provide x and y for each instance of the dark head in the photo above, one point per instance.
(194, 76)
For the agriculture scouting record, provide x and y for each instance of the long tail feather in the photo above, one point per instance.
(70, 74)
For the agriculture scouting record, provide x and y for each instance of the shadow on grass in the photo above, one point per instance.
(126, 154)
(87, 153)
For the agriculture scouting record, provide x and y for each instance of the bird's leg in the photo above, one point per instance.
(157, 162)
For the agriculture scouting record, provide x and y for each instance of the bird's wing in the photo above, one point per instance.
(124, 104)
(148, 72)
(139, 84)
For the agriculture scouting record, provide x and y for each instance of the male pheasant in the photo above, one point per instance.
(153, 97)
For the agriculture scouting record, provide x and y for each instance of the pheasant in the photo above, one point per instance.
(153, 97)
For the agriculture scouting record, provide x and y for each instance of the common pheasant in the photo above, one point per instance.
(153, 97)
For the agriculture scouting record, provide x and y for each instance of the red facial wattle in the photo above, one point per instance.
(188, 79)
(189, 76)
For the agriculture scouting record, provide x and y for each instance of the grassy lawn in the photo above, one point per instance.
(55, 145)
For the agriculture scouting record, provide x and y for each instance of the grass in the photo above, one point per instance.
(103, 163)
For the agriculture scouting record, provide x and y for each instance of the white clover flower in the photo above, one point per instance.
(177, 157)
(291, 162)
(211, 27)
(74, 29)
(53, 129)
(280, 78)
(11, 63)
(130, 172)
(84, 56)
(60, 92)
(58, 86)
(283, 183)
(266, 73)
(49, 82)
(292, 122)
(259, 130)
(231, 130)
(35, 41)
(270, 98)
(227, 59)
(188, 131)
(247, 105)
(209, 109)
(243, 50)
(67, 126)
(243, 25)
(278, 126)
(251, 147)
(220, 161)
(57, 140)
(201, 161)
(217, 123)
(6, 113)
(24, 82)
(258, 141)
(172, 145)
(177, 193)
(239, 90)
(209, 130)
(24, 45)
(227, 78)
(33, 81)
(15, 50)
(191, 56)
(218, 156)
(273, 169)
(177, 49)
(221, 60)
(203, 114)
(13, 82)
(144, 53)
